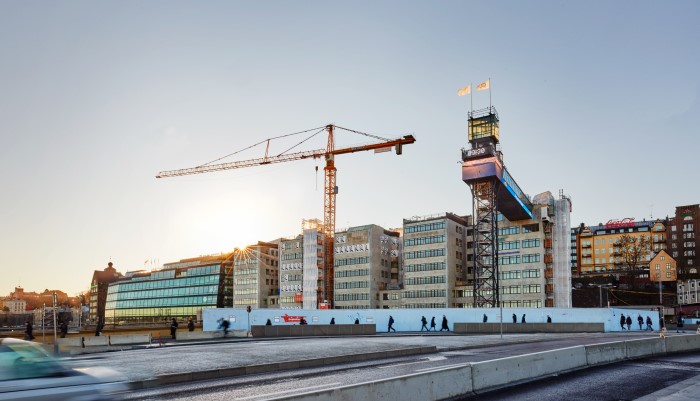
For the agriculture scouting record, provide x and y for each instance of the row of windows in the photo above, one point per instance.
(292, 256)
(162, 302)
(512, 230)
(424, 306)
(437, 239)
(351, 273)
(168, 283)
(246, 281)
(351, 261)
(536, 303)
(352, 297)
(425, 227)
(425, 267)
(245, 301)
(517, 274)
(150, 314)
(531, 258)
(245, 291)
(288, 300)
(340, 285)
(428, 253)
(169, 292)
(508, 245)
(424, 294)
(426, 280)
(245, 271)
(531, 243)
(516, 289)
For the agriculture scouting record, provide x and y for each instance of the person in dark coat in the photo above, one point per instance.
(223, 324)
(486, 318)
(424, 323)
(629, 322)
(679, 323)
(640, 320)
(549, 319)
(357, 320)
(432, 324)
(28, 331)
(391, 325)
(302, 321)
(268, 323)
(622, 321)
(444, 324)
(515, 318)
(649, 324)
(190, 325)
(64, 329)
(173, 328)
(662, 323)
(332, 320)
(523, 319)
(98, 328)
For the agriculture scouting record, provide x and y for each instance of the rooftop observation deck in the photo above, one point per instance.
(484, 164)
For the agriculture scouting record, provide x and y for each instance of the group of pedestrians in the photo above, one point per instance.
(443, 326)
(627, 321)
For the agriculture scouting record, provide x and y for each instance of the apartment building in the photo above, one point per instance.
(435, 261)
(682, 240)
(366, 262)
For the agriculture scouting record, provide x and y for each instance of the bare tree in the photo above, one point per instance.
(632, 253)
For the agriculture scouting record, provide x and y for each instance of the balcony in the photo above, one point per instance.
(548, 258)
(585, 244)
(548, 273)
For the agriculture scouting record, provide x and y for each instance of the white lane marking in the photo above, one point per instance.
(266, 395)
(436, 368)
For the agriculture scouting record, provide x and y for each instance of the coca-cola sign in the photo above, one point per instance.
(621, 223)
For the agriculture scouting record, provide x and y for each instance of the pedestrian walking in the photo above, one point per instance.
(640, 320)
(99, 327)
(173, 328)
(223, 325)
(64, 329)
(302, 321)
(622, 321)
(332, 320)
(662, 323)
(649, 324)
(28, 331)
(629, 322)
(424, 321)
(357, 320)
(486, 318)
(432, 324)
(523, 319)
(515, 318)
(679, 324)
(268, 323)
(391, 325)
(444, 324)
(190, 325)
(549, 319)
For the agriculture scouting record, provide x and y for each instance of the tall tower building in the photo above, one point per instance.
(291, 272)
(684, 241)
(255, 275)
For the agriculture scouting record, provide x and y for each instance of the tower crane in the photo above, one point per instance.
(325, 280)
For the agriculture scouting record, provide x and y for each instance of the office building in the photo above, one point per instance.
(366, 261)
(682, 240)
(256, 276)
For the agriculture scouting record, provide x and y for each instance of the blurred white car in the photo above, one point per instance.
(27, 372)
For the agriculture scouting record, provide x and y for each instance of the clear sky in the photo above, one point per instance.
(598, 98)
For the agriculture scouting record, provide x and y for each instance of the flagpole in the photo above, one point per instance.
(489, 94)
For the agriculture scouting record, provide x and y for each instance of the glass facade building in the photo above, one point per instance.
(159, 296)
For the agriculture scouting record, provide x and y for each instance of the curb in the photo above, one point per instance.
(176, 378)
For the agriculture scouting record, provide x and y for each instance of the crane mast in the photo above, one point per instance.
(325, 277)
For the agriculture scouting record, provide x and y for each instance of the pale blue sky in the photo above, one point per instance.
(598, 98)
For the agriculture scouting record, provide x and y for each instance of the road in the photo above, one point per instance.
(454, 351)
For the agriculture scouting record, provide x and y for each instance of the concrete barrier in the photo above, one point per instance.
(437, 385)
(97, 341)
(598, 354)
(645, 347)
(199, 335)
(682, 343)
(129, 339)
(491, 375)
(492, 328)
(308, 330)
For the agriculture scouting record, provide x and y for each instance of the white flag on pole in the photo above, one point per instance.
(464, 91)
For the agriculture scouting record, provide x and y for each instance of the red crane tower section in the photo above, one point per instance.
(330, 189)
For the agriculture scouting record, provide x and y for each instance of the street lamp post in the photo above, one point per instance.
(55, 342)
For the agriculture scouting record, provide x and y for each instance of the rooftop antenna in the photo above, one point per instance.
(651, 213)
